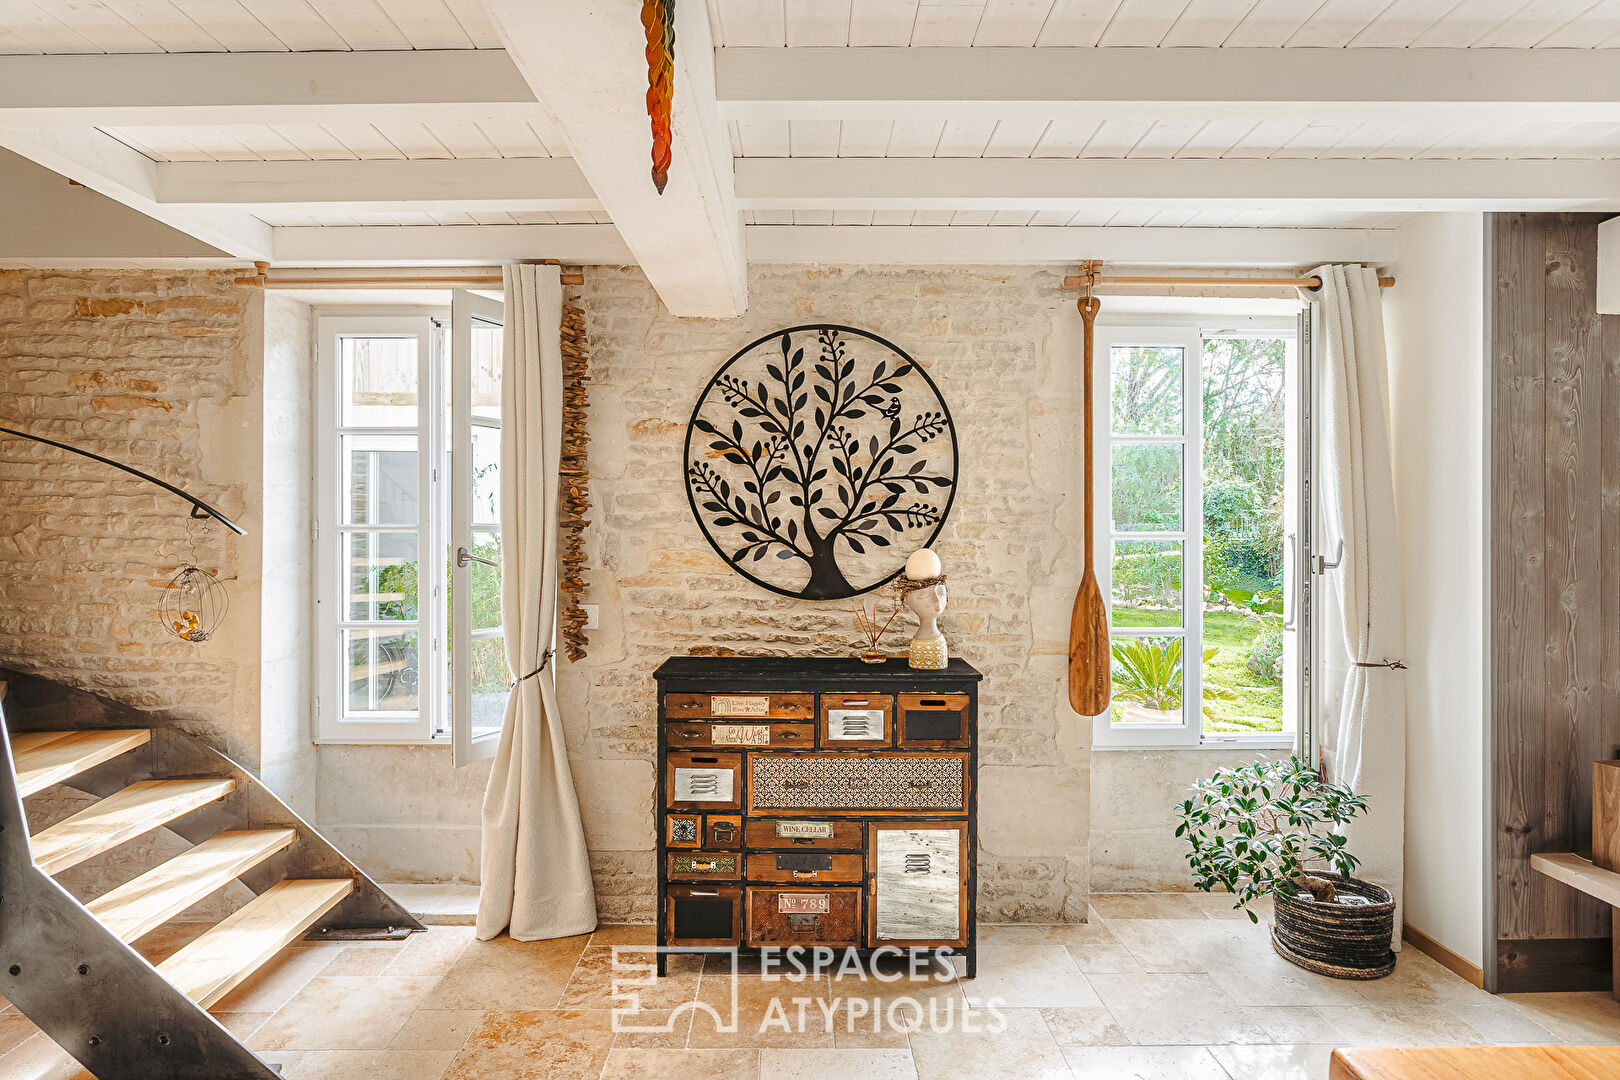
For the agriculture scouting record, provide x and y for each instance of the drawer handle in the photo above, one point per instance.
(795, 785)
(855, 701)
(691, 705)
(932, 703)
(786, 735)
(917, 864)
(702, 892)
(920, 784)
(703, 865)
(804, 874)
(691, 734)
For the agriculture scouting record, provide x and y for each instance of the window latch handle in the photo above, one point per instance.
(463, 557)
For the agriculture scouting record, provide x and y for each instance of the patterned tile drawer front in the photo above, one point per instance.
(845, 783)
(705, 865)
(739, 706)
(709, 733)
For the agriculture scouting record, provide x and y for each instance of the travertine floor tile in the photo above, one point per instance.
(606, 978)
(1023, 1049)
(1155, 945)
(346, 1013)
(1420, 980)
(437, 1029)
(656, 1029)
(1104, 959)
(534, 1045)
(1095, 932)
(1113, 906)
(506, 974)
(630, 1064)
(37, 1058)
(14, 1029)
(1178, 1010)
(1029, 976)
(1274, 1062)
(431, 953)
(370, 1064)
(1504, 1023)
(1580, 1018)
(836, 1065)
(275, 984)
(1145, 1063)
(625, 934)
(1399, 1025)
(359, 961)
(1218, 905)
(1094, 1026)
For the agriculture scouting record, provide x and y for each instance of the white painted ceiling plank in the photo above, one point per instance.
(1077, 22)
(915, 138)
(777, 217)
(1012, 218)
(586, 64)
(763, 138)
(1215, 138)
(1115, 138)
(450, 245)
(109, 31)
(1531, 23)
(852, 217)
(1466, 23)
(879, 217)
(1016, 137)
(1402, 23)
(232, 25)
(1208, 23)
(160, 143)
(166, 25)
(864, 138)
(464, 139)
(1165, 139)
(817, 22)
(1591, 29)
(1051, 218)
(1012, 22)
(297, 24)
(965, 138)
(364, 141)
(1272, 22)
(1316, 140)
(315, 141)
(1065, 137)
(1142, 23)
(42, 30)
(753, 22)
(932, 218)
(812, 217)
(882, 22)
(361, 24)
(426, 24)
(264, 142)
(513, 138)
(947, 22)
(219, 144)
(414, 140)
(972, 217)
(813, 138)
(474, 23)
(1337, 22)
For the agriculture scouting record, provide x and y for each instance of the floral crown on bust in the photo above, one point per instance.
(903, 584)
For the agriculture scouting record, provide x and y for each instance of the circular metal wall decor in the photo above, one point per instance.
(817, 459)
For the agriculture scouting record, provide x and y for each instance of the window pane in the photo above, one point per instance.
(491, 680)
(1147, 487)
(486, 466)
(379, 381)
(486, 370)
(382, 576)
(1146, 389)
(1147, 680)
(485, 581)
(381, 474)
(381, 669)
(1244, 469)
(1146, 583)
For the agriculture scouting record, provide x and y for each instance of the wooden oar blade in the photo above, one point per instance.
(1090, 680)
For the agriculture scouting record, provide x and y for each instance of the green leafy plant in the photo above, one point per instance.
(1261, 827)
(1148, 672)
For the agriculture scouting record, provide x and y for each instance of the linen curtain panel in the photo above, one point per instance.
(1366, 739)
(535, 870)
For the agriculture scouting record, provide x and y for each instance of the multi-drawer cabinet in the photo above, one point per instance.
(816, 802)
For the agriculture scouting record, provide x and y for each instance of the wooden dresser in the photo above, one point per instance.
(817, 802)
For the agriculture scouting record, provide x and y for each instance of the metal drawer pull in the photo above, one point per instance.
(805, 873)
(705, 784)
(786, 735)
(722, 831)
(691, 734)
(917, 864)
(703, 865)
(920, 783)
(796, 784)
(702, 892)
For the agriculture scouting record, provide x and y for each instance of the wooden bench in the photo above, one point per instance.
(1475, 1063)
(1579, 873)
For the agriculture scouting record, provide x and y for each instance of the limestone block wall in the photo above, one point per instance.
(162, 369)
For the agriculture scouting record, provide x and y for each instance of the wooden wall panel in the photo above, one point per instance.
(1555, 568)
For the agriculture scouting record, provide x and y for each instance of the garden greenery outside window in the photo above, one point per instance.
(1197, 486)
(408, 473)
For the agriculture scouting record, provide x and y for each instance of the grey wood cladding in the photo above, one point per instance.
(1555, 573)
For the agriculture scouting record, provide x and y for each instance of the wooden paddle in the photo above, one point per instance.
(1089, 660)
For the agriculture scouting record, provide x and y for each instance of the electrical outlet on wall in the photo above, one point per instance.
(590, 615)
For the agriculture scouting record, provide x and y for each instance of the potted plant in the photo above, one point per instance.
(1269, 827)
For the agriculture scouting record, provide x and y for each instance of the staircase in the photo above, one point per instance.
(69, 966)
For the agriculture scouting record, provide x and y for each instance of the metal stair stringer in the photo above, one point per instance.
(96, 997)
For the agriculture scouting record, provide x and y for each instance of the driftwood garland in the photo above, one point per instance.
(576, 494)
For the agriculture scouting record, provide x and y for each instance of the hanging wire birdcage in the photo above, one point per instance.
(194, 604)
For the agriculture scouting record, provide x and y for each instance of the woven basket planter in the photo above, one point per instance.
(1340, 940)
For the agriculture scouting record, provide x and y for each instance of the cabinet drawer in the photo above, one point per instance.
(856, 720)
(703, 914)
(919, 893)
(788, 916)
(703, 781)
(849, 783)
(797, 834)
(698, 830)
(934, 720)
(725, 734)
(726, 706)
(705, 865)
(805, 866)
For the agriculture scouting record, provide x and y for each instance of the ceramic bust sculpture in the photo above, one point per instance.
(924, 587)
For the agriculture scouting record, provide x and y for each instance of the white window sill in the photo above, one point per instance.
(443, 741)
(1258, 744)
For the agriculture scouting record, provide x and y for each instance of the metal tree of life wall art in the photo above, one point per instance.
(817, 459)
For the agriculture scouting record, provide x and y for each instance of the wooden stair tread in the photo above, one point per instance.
(65, 754)
(1474, 1062)
(137, 907)
(217, 962)
(121, 816)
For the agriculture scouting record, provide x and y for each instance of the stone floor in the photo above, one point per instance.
(1156, 986)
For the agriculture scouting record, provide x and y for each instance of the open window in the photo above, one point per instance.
(408, 528)
(1200, 448)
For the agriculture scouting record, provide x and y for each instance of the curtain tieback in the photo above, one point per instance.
(544, 660)
(1393, 665)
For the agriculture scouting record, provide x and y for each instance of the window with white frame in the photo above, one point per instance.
(1198, 493)
(408, 528)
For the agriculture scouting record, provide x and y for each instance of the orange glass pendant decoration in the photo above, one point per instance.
(658, 19)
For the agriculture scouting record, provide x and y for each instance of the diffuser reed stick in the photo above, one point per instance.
(867, 623)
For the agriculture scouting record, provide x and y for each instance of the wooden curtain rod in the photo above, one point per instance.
(1076, 281)
(317, 279)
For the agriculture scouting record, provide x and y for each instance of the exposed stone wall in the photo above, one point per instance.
(161, 369)
(1003, 345)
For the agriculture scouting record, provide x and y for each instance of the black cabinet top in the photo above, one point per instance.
(802, 672)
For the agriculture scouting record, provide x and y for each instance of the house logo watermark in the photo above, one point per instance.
(899, 990)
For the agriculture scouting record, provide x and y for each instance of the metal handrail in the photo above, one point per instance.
(199, 509)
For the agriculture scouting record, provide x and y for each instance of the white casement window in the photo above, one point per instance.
(409, 645)
(1197, 490)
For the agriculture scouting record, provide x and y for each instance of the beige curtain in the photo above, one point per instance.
(1366, 731)
(536, 874)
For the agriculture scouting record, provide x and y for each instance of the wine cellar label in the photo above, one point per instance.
(804, 830)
